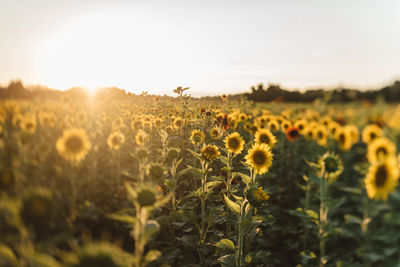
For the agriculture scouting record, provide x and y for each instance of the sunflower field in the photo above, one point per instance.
(186, 182)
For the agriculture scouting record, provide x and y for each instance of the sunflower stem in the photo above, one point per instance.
(322, 218)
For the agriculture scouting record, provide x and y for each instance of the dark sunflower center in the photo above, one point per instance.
(381, 151)
(342, 139)
(74, 143)
(259, 157)
(381, 176)
(197, 138)
(320, 135)
(264, 139)
(115, 140)
(293, 133)
(372, 136)
(330, 165)
(301, 126)
(233, 143)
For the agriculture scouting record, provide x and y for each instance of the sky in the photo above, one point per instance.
(213, 47)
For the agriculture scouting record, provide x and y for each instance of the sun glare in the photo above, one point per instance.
(120, 51)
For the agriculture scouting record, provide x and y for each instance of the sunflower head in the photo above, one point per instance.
(371, 132)
(156, 172)
(210, 152)
(146, 196)
(292, 133)
(197, 137)
(332, 165)
(73, 145)
(115, 140)
(38, 208)
(273, 125)
(259, 158)
(380, 149)
(224, 97)
(178, 123)
(264, 136)
(215, 133)
(343, 138)
(141, 138)
(320, 134)
(234, 143)
(256, 195)
(172, 154)
(381, 179)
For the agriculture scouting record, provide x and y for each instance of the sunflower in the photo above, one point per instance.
(215, 133)
(224, 97)
(178, 123)
(73, 145)
(300, 125)
(197, 137)
(380, 149)
(320, 134)
(210, 152)
(285, 124)
(264, 136)
(259, 158)
(29, 124)
(333, 126)
(115, 140)
(354, 133)
(332, 164)
(381, 179)
(141, 138)
(343, 138)
(273, 125)
(292, 133)
(256, 195)
(234, 143)
(371, 132)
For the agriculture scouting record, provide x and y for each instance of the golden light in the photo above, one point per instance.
(131, 51)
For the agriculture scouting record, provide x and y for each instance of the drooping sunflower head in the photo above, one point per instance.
(210, 152)
(197, 137)
(292, 133)
(146, 196)
(264, 136)
(115, 140)
(73, 145)
(256, 195)
(234, 143)
(381, 179)
(332, 164)
(380, 149)
(371, 132)
(259, 158)
(156, 172)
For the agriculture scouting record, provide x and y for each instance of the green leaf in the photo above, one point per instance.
(131, 192)
(245, 178)
(238, 198)
(232, 205)
(152, 255)
(224, 160)
(312, 214)
(150, 228)
(353, 190)
(225, 244)
(349, 218)
(227, 260)
(213, 184)
(335, 203)
(122, 218)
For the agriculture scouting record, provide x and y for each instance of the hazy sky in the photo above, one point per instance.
(210, 46)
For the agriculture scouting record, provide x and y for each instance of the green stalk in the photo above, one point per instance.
(239, 256)
(322, 218)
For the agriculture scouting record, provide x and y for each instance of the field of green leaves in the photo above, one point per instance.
(184, 182)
